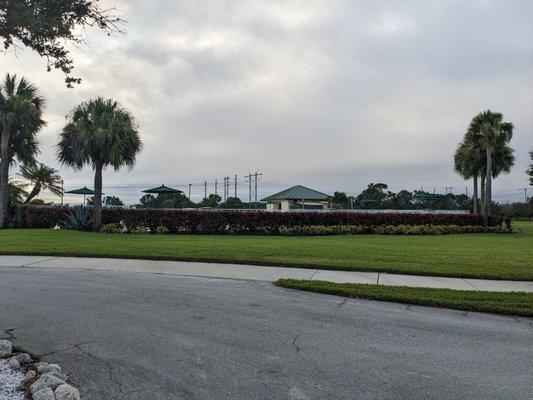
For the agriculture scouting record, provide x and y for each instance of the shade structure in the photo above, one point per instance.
(84, 191)
(428, 196)
(162, 189)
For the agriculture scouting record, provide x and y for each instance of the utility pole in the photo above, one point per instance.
(235, 186)
(249, 179)
(190, 184)
(525, 193)
(466, 191)
(62, 190)
(256, 175)
(216, 186)
(205, 189)
(450, 188)
(226, 188)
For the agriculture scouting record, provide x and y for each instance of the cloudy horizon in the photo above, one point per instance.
(327, 94)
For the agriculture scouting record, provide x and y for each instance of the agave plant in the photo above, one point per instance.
(78, 219)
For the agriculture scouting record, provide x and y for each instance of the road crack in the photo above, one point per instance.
(297, 348)
(107, 364)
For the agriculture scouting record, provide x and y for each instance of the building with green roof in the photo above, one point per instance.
(297, 198)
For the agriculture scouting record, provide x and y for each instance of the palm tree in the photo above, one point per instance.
(490, 131)
(20, 120)
(42, 177)
(468, 163)
(16, 192)
(99, 133)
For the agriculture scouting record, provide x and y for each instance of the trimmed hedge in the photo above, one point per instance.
(321, 230)
(249, 222)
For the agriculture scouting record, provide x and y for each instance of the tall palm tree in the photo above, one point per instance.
(99, 133)
(42, 177)
(20, 120)
(490, 131)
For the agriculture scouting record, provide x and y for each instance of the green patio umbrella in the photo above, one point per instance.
(162, 189)
(84, 191)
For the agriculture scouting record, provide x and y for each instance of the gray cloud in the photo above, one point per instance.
(331, 94)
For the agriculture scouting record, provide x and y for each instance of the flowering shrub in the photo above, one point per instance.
(113, 227)
(162, 230)
(321, 230)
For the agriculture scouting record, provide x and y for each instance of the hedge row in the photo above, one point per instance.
(320, 230)
(207, 222)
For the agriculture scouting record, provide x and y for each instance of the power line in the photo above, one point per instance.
(256, 176)
(525, 193)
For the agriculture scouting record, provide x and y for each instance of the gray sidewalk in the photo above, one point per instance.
(260, 273)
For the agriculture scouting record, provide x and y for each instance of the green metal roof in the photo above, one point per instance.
(298, 192)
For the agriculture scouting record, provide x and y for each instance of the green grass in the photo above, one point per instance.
(493, 256)
(510, 303)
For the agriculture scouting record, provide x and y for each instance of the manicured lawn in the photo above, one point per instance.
(494, 256)
(510, 303)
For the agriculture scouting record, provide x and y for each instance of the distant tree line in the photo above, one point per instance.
(179, 200)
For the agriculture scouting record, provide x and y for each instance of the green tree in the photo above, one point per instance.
(113, 201)
(20, 120)
(403, 200)
(16, 193)
(469, 163)
(340, 200)
(41, 177)
(490, 131)
(232, 202)
(175, 200)
(99, 133)
(372, 196)
(212, 201)
(48, 26)
(148, 201)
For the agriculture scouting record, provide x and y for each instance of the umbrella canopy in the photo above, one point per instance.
(84, 190)
(162, 189)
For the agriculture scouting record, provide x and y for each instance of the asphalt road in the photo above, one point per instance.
(150, 336)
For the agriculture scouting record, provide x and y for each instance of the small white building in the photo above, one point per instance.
(297, 198)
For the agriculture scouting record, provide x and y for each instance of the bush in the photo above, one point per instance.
(20, 217)
(320, 230)
(162, 230)
(250, 222)
(113, 227)
(140, 230)
(78, 218)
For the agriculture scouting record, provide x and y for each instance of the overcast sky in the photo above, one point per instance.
(329, 94)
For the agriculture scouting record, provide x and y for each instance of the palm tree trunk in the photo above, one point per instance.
(482, 194)
(475, 194)
(488, 186)
(4, 176)
(34, 192)
(97, 205)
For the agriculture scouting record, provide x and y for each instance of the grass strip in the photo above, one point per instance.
(483, 255)
(509, 303)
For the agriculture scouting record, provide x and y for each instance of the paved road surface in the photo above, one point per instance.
(126, 335)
